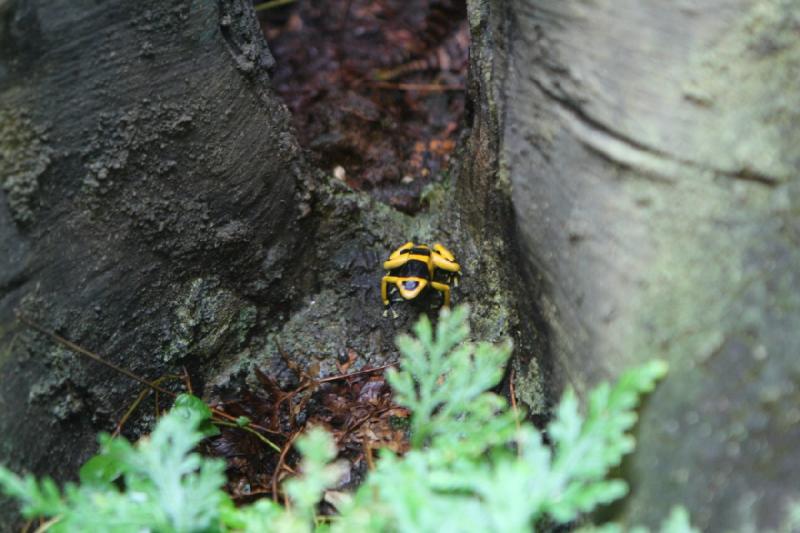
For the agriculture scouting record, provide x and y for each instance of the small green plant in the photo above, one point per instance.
(473, 466)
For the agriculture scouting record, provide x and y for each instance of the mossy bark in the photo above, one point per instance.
(158, 210)
(147, 172)
(652, 151)
(625, 189)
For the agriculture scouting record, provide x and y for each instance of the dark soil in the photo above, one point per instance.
(376, 88)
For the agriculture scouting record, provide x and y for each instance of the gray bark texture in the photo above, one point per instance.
(150, 200)
(652, 150)
(157, 209)
(625, 189)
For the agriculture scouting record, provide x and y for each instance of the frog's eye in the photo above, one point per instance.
(410, 285)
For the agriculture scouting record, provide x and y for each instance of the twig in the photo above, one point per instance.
(47, 525)
(125, 372)
(513, 394)
(93, 356)
(358, 373)
(258, 435)
(187, 379)
(421, 87)
(311, 382)
(272, 4)
(251, 494)
(368, 455)
(294, 368)
(281, 459)
(129, 412)
(374, 414)
(235, 420)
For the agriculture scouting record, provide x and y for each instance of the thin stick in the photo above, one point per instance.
(368, 455)
(272, 4)
(251, 494)
(129, 412)
(281, 459)
(375, 414)
(360, 372)
(142, 395)
(94, 357)
(513, 395)
(125, 372)
(313, 382)
(422, 87)
(187, 380)
(258, 435)
(47, 525)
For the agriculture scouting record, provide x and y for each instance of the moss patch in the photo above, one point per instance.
(209, 320)
(24, 157)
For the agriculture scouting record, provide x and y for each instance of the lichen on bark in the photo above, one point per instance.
(24, 157)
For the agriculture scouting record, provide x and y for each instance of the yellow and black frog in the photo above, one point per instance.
(414, 269)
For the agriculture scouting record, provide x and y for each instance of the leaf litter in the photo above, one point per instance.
(357, 408)
(375, 87)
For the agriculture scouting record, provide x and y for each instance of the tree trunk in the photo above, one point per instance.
(652, 151)
(158, 210)
(150, 204)
(625, 189)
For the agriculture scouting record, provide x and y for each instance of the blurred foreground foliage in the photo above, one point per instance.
(474, 465)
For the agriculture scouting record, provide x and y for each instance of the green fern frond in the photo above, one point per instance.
(473, 465)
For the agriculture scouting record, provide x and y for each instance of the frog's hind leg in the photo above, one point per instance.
(444, 289)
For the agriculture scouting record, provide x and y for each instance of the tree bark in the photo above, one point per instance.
(625, 189)
(652, 153)
(158, 210)
(152, 197)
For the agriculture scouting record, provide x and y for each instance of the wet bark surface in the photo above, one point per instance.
(140, 221)
(159, 210)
